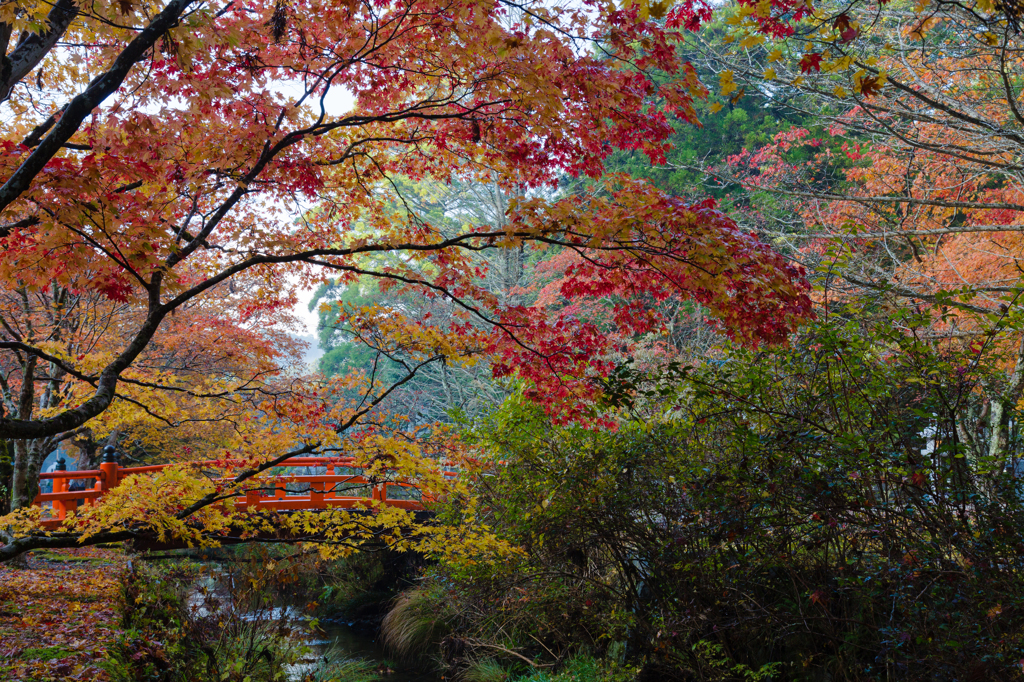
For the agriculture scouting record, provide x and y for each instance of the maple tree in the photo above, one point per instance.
(906, 194)
(203, 353)
(157, 156)
(916, 148)
(160, 153)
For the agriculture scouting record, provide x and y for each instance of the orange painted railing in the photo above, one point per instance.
(321, 491)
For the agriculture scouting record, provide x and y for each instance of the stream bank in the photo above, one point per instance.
(253, 616)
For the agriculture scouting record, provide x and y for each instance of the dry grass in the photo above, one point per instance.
(413, 625)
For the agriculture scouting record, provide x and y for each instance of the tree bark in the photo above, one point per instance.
(6, 475)
(25, 481)
(33, 47)
(20, 481)
(1002, 408)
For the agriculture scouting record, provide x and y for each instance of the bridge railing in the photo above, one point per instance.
(268, 492)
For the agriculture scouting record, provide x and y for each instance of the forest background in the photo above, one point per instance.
(733, 372)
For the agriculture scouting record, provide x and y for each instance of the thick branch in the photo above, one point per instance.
(33, 47)
(84, 103)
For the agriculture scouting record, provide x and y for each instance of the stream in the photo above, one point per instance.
(337, 638)
(355, 642)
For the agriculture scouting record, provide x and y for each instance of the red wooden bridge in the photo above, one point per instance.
(268, 492)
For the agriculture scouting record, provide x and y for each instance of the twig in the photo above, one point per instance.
(476, 642)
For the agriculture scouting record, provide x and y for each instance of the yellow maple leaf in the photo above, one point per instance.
(726, 82)
(751, 40)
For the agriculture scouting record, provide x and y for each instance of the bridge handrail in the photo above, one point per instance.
(318, 496)
(83, 473)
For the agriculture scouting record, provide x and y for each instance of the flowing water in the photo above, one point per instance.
(359, 643)
(330, 639)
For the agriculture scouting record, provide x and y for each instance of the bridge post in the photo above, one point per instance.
(330, 493)
(60, 485)
(380, 490)
(109, 468)
(316, 495)
(252, 500)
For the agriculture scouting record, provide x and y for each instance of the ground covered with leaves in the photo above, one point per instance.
(59, 614)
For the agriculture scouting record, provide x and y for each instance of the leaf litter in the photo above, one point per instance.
(58, 615)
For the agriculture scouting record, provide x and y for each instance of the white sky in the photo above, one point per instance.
(337, 103)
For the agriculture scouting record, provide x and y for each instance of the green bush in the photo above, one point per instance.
(805, 513)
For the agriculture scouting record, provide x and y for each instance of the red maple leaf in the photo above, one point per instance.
(810, 62)
(846, 32)
(870, 85)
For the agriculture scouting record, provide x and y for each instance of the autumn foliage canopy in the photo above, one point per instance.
(172, 173)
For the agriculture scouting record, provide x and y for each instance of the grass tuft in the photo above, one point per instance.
(412, 625)
(484, 670)
(335, 667)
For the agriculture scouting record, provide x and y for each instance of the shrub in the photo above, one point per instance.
(809, 513)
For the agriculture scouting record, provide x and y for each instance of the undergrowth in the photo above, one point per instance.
(180, 624)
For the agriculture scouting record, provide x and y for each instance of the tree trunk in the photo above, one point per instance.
(25, 479)
(28, 461)
(1002, 408)
(6, 475)
(21, 481)
(87, 447)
